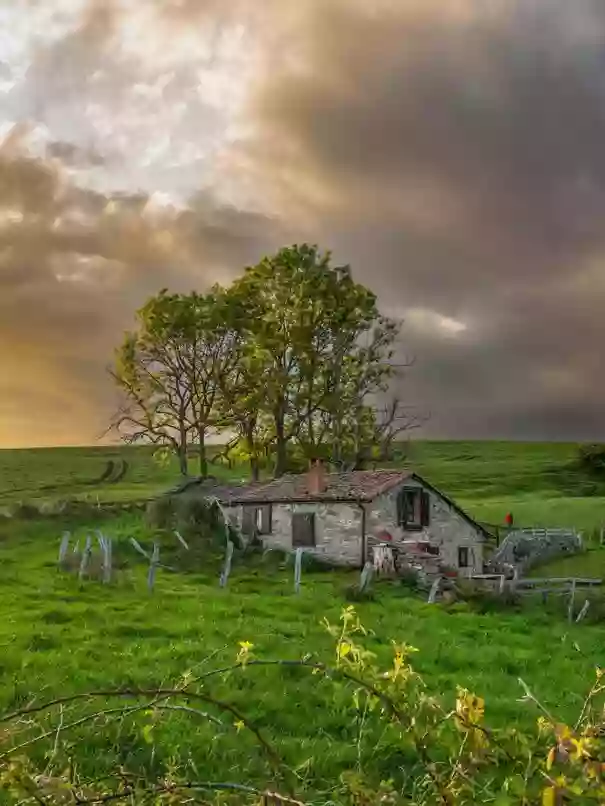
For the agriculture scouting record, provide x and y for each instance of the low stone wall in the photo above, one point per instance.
(526, 548)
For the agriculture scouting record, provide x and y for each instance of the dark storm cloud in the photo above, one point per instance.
(450, 150)
(464, 165)
(74, 266)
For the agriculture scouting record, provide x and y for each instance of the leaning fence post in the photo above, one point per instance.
(181, 540)
(583, 611)
(63, 548)
(139, 548)
(572, 597)
(85, 557)
(153, 564)
(227, 565)
(366, 577)
(433, 591)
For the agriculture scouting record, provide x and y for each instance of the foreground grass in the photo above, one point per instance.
(61, 638)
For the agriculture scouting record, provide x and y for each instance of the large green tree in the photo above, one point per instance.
(293, 358)
(320, 347)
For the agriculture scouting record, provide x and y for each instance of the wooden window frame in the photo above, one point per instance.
(464, 551)
(310, 518)
(263, 523)
(403, 509)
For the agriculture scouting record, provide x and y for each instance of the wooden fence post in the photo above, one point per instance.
(572, 597)
(227, 566)
(366, 577)
(85, 557)
(63, 548)
(153, 564)
(297, 569)
(583, 611)
(433, 592)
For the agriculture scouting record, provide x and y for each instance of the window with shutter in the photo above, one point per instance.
(463, 557)
(425, 508)
(413, 509)
(303, 529)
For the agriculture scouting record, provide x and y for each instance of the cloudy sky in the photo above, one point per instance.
(453, 151)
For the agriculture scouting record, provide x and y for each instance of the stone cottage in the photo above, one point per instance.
(341, 516)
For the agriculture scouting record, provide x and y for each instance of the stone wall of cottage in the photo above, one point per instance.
(338, 530)
(446, 529)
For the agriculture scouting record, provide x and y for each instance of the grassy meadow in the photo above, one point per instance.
(536, 481)
(59, 637)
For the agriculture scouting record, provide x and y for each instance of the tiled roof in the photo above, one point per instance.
(358, 485)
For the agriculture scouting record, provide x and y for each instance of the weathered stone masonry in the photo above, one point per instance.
(338, 529)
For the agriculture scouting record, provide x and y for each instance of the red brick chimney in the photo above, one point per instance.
(316, 477)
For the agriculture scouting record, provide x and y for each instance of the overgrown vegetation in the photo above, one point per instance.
(407, 744)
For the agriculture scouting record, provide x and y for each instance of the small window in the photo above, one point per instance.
(413, 507)
(263, 520)
(303, 529)
(463, 557)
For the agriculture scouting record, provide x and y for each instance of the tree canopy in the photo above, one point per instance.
(291, 360)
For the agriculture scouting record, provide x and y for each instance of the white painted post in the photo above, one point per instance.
(63, 548)
(297, 569)
(501, 584)
(572, 597)
(366, 577)
(583, 611)
(109, 560)
(433, 592)
(105, 544)
(153, 564)
(85, 557)
(227, 566)
(181, 540)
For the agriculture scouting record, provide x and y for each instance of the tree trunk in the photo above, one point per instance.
(281, 456)
(183, 458)
(203, 459)
(251, 448)
(183, 464)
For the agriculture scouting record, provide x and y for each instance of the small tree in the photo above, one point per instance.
(171, 370)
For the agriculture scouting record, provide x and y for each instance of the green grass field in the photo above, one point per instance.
(58, 637)
(535, 481)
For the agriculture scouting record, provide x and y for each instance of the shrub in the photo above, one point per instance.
(591, 459)
(25, 511)
(408, 578)
(161, 513)
(196, 517)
